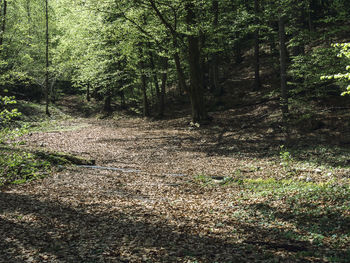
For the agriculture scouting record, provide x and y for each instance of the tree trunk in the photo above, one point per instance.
(108, 102)
(3, 23)
(274, 51)
(145, 105)
(47, 60)
(155, 78)
(144, 95)
(272, 39)
(257, 83)
(88, 97)
(122, 99)
(238, 50)
(203, 63)
(29, 16)
(214, 68)
(299, 24)
(180, 73)
(309, 18)
(53, 91)
(174, 34)
(196, 90)
(283, 67)
(162, 90)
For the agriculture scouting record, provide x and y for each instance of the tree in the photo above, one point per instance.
(283, 66)
(214, 66)
(47, 59)
(196, 91)
(257, 82)
(3, 12)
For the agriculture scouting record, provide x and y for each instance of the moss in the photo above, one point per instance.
(60, 158)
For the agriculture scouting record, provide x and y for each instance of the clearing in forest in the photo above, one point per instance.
(188, 194)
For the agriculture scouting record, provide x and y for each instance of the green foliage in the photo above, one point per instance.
(23, 49)
(15, 166)
(6, 115)
(286, 160)
(344, 52)
(307, 71)
(204, 180)
(304, 211)
(20, 167)
(107, 45)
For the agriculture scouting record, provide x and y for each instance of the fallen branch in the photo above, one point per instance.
(53, 157)
(124, 170)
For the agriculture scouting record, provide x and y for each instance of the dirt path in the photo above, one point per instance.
(84, 215)
(158, 215)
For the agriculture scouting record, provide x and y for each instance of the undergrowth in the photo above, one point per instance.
(20, 167)
(17, 166)
(314, 215)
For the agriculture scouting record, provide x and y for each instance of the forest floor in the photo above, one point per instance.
(225, 192)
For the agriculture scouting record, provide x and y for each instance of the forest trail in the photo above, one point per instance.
(88, 215)
(165, 213)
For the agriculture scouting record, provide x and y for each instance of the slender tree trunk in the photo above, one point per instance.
(3, 22)
(108, 101)
(162, 90)
(144, 94)
(238, 50)
(214, 67)
(309, 18)
(257, 82)
(272, 40)
(272, 44)
(300, 14)
(122, 99)
(274, 51)
(152, 93)
(283, 67)
(203, 63)
(196, 90)
(29, 16)
(174, 34)
(145, 105)
(47, 60)
(155, 78)
(180, 73)
(53, 91)
(88, 97)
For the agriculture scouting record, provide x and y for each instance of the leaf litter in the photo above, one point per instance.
(167, 208)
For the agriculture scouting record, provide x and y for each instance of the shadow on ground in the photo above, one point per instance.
(83, 234)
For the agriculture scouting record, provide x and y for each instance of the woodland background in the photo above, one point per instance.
(210, 131)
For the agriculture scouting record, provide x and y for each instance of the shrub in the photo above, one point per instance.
(307, 71)
(343, 52)
(18, 166)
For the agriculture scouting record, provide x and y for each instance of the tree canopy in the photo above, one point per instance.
(137, 51)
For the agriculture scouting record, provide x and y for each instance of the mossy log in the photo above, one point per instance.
(56, 158)
(63, 158)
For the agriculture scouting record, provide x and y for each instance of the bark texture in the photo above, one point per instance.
(47, 60)
(196, 89)
(283, 66)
